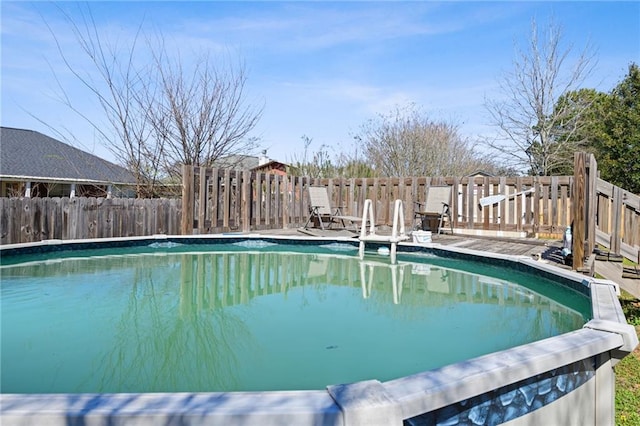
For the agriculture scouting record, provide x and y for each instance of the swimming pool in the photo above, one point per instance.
(204, 318)
(380, 288)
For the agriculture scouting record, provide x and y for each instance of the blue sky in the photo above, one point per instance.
(321, 69)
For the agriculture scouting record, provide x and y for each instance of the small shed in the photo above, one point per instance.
(274, 167)
(256, 164)
(35, 165)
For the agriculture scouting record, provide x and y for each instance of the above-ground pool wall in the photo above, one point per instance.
(567, 379)
(580, 393)
(590, 403)
(576, 394)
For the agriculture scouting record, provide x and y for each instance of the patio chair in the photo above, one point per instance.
(436, 207)
(320, 208)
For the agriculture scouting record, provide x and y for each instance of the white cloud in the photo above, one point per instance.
(312, 26)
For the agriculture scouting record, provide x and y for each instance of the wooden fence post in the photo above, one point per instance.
(578, 209)
(246, 197)
(284, 188)
(616, 226)
(584, 200)
(591, 203)
(187, 200)
(485, 193)
(203, 198)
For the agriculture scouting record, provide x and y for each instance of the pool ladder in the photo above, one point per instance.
(397, 232)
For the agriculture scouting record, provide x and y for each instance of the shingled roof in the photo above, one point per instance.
(30, 155)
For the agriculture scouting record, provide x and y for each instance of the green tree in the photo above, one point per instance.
(618, 146)
(581, 125)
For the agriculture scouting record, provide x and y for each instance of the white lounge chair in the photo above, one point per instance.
(320, 208)
(437, 206)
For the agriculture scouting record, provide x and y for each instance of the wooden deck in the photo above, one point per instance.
(520, 247)
(517, 247)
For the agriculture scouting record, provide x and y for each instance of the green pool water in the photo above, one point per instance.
(231, 318)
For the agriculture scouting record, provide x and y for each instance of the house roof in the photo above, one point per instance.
(241, 162)
(30, 155)
(481, 173)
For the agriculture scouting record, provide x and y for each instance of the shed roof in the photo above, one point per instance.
(30, 155)
(272, 164)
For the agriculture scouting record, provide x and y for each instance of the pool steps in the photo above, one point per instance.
(398, 232)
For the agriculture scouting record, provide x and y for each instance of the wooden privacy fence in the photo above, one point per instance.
(25, 220)
(216, 200)
(603, 214)
(618, 220)
(231, 200)
(225, 200)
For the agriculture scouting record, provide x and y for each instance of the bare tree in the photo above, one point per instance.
(202, 116)
(407, 143)
(161, 112)
(536, 131)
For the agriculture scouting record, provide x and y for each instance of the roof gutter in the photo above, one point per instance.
(61, 180)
